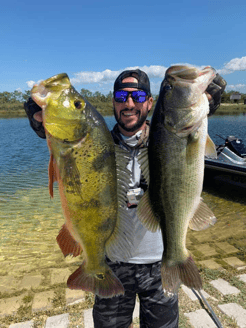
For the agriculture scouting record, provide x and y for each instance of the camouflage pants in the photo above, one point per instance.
(156, 310)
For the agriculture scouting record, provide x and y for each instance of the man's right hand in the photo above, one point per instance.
(34, 114)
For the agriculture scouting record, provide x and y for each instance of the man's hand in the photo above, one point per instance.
(38, 116)
(214, 92)
(34, 114)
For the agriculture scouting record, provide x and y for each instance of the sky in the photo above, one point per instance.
(93, 41)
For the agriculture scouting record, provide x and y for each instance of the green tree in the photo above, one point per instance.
(86, 93)
(26, 95)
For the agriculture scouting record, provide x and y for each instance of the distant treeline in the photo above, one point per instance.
(12, 102)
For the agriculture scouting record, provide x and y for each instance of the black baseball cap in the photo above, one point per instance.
(142, 84)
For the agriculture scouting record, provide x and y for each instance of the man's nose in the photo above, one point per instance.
(129, 102)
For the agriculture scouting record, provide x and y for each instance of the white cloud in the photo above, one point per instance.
(156, 73)
(236, 86)
(109, 76)
(30, 84)
(235, 64)
(94, 77)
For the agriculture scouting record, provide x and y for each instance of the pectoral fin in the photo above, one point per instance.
(123, 234)
(146, 214)
(203, 218)
(67, 243)
(210, 150)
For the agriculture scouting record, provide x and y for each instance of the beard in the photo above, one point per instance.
(142, 118)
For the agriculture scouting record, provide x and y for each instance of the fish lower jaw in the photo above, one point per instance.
(40, 101)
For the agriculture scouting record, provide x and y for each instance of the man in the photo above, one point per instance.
(140, 273)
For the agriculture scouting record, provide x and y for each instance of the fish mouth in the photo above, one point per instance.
(55, 84)
(182, 72)
(184, 131)
(39, 94)
(188, 74)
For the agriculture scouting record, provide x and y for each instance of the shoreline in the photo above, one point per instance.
(224, 109)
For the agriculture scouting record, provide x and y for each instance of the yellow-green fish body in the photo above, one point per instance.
(84, 160)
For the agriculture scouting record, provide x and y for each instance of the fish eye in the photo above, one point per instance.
(77, 104)
(167, 87)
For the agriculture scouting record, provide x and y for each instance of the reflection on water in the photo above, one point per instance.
(30, 220)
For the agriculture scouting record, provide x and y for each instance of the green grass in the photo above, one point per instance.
(231, 109)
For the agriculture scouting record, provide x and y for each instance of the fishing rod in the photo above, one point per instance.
(220, 137)
(201, 297)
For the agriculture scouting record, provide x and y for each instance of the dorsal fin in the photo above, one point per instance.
(143, 160)
(121, 241)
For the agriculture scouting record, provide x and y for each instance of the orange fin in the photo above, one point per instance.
(104, 284)
(182, 273)
(67, 243)
(52, 175)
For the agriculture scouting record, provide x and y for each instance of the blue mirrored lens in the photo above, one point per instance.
(121, 96)
(138, 96)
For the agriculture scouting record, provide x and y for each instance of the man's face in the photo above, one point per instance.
(130, 115)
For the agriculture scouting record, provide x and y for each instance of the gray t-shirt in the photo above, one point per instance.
(148, 246)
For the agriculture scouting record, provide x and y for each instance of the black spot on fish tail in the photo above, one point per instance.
(100, 276)
(100, 161)
(105, 284)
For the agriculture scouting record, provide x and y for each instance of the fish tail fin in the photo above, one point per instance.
(185, 272)
(104, 284)
(67, 243)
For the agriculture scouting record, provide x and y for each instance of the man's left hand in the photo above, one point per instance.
(214, 92)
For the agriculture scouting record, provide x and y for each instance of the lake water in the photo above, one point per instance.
(30, 220)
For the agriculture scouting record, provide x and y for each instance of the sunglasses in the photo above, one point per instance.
(138, 96)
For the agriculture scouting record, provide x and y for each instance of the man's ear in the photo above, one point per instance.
(150, 103)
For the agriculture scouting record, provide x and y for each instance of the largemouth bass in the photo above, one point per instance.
(83, 162)
(178, 143)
